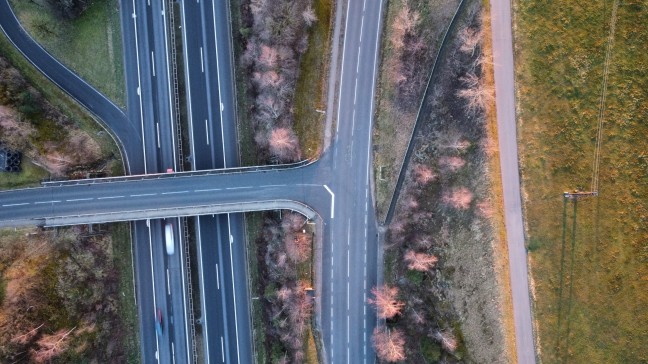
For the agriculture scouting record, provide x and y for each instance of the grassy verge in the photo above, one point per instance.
(589, 259)
(457, 307)
(123, 253)
(90, 45)
(31, 175)
(247, 146)
(310, 93)
(254, 224)
(64, 103)
(395, 120)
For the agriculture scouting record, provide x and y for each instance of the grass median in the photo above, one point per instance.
(91, 45)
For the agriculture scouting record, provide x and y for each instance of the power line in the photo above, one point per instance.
(601, 113)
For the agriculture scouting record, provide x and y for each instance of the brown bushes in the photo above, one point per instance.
(278, 36)
(60, 297)
(30, 124)
(287, 307)
(438, 248)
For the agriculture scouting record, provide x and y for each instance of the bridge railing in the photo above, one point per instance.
(208, 172)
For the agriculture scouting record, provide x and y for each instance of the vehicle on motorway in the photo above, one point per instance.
(168, 238)
(158, 322)
(169, 170)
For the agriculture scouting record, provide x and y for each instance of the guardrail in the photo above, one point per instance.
(235, 170)
(161, 213)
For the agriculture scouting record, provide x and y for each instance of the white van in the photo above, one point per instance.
(168, 237)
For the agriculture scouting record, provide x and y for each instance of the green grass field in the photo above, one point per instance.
(312, 81)
(91, 45)
(31, 175)
(589, 259)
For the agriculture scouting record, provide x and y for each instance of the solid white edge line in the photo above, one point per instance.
(157, 344)
(332, 200)
(188, 86)
(139, 86)
(229, 230)
(168, 69)
(203, 304)
(220, 94)
(346, 27)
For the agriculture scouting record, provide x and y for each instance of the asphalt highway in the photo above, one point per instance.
(226, 327)
(160, 277)
(338, 186)
(111, 115)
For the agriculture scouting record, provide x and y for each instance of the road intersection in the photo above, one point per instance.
(337, 187)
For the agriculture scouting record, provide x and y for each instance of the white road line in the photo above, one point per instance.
(157, 129)
(174, 192)
(139, 86)
(168, 284)
(337, 122)
(153, 62)
(202, 295)
(16, 204)
(46, 202)
(109, 197)
(264, 186)
(209, 190)
(361, 27)
(353, 123)
(222, 350)
(207, 131)
(188, 90)
(143, 194)
(80, 199)
(332, 200)
(238, 188)
(202, 60)
(355, 92)
(217, 277)
(171, 124)
(157, 345)
(220, 99)
(173, 352)
(229, 229)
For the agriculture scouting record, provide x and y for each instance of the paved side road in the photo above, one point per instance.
(506, 125)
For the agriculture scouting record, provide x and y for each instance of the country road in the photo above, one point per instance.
(507, 134)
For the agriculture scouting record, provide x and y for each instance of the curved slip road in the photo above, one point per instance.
(127, 134)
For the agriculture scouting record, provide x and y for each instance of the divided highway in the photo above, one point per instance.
(338, 186)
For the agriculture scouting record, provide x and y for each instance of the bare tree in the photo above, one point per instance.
(477, 94)
(421, 262)
(389, 344)
(470, 39)
(51, 346)
(284, 144)
(459, 198)
(309, 16)
(447, 339)
(387, 306)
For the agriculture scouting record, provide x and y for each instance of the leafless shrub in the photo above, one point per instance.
(459, 198)
(387, 306)
(476, 94)
(389, 344)
(284, 144)
(420, 261)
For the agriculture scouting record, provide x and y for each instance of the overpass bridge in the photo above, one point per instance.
(296, 187)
